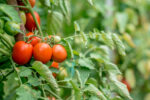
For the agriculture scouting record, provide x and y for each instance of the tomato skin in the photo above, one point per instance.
(30, 23)
(22, 52)
(54, 65)
(42, 52)
(51, 98)
(59, 53)
(127, 84)
(34, 39)
(32, 2)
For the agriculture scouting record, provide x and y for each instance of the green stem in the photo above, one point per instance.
(55, 95)
(19, 6)
(43, 90)
(80, 35)
(32, 12)
(14, 67)
(4, 52)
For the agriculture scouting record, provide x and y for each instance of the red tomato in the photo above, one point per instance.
(32, 2)
(127, 84)
(59, 53)
(30, 23)
(34, 39)
(51, 98)
(22, 52)
(54, 65)
(42, 52)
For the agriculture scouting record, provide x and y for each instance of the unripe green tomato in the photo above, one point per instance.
(1, 24)
(62, 74)
(57, 39)
(12, 28)
(23, 17)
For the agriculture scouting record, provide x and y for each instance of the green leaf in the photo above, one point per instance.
(120, 46)
(118, 86)
(92, 81)
(10, 12)
(84, 74)
(94, 90)
(10, 84)
(107, 39)
(90, 2)
(65, 7)
(54, 22)
(46, 74)
(86, 62)
(122, 19)
(33, 81)
(24, 71)
(24, 92)
(112, 68)
(77, 91)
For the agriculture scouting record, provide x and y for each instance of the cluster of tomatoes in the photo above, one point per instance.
(35, 46)
(41, 51)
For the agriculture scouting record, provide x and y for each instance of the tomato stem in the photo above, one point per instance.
(80, 35)
(32, 12)
(14, 67)
(19, 6)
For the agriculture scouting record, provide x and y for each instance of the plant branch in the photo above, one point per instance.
(14, 67)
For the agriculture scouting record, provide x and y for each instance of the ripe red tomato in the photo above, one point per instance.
(127, 84)
(54, 65)
(51, 98)
(42, 52)
(32, 2)
(34, 39)
(22, 52)
(30, 23)
(59, 53)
